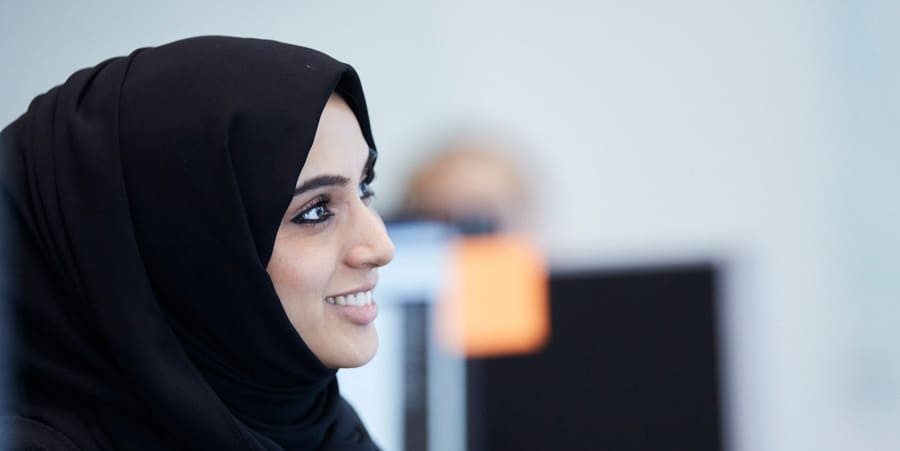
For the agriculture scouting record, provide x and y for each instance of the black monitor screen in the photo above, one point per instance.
(631, 364)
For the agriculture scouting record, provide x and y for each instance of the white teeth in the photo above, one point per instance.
(357, 299)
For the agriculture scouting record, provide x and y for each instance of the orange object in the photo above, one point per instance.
(497, 300)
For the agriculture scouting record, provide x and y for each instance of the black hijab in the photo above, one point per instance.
(143, 198)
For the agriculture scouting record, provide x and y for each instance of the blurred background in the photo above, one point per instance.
(756, 143)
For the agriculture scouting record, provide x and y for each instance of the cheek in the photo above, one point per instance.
(301, 277)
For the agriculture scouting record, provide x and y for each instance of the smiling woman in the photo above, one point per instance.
(329, 222)
(195, 251)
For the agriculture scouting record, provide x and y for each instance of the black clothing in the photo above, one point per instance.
(143, 198)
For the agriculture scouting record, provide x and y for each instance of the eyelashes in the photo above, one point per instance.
(317, 213)
(319, 210)
(365, 192)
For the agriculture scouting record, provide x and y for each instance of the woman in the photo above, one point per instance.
(193, 251)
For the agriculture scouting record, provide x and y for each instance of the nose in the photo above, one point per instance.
(372, 247)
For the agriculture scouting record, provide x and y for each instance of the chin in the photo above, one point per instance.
(357, 351)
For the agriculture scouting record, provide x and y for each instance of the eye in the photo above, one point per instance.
(315, 214)
(365, 193)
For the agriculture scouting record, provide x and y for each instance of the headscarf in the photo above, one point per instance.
(143, 198)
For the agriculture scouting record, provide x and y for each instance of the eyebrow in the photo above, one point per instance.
(321, 181)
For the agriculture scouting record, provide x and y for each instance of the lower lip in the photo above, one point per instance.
(357, 314)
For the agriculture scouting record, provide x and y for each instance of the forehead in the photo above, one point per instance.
(339, 146)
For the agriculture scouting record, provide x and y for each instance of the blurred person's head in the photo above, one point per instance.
(471, 182)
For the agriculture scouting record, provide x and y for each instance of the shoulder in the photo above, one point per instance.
(28, 434)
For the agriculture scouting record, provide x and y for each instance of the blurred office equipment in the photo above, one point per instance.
(496, 300)
(632, 364)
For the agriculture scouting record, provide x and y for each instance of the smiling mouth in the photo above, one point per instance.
(360, 299)
(358, 308)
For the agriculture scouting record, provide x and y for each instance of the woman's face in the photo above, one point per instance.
(330, 244)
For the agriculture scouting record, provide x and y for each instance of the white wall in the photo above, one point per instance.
(759, 133)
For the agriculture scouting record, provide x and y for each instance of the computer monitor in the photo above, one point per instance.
(632, 364)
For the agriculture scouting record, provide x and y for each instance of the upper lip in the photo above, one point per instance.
(362, 289)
